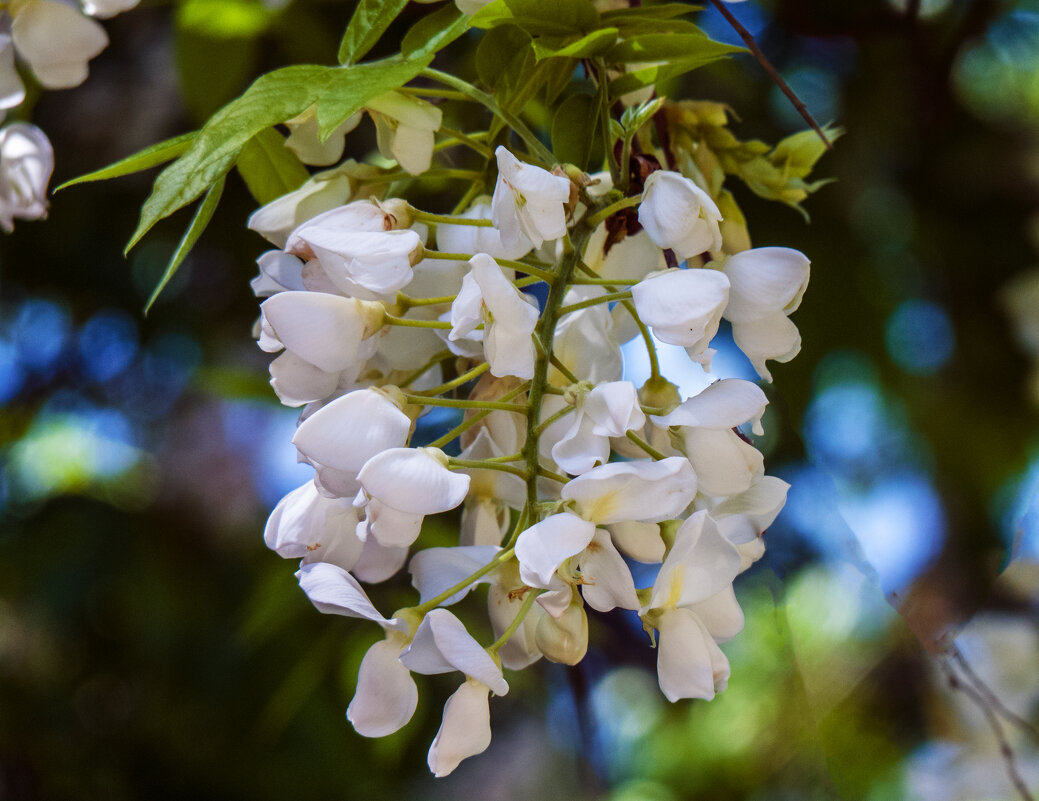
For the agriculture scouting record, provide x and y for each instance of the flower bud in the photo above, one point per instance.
(564, 639)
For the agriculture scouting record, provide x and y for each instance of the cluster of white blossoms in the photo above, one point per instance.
(56, 40)
(565, 473)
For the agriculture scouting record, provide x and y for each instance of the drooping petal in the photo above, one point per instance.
(679, 215)
(683, 307)
(700, 564)
(721, 614)
(689, 662)
(442, 645)
(580, 448)
(26, 163)
(405, 126)
(413, 480)
(306, 525)
(724, 404)
(647, 491)
(503, 604)
(279, 272)
(390, 527)
(297, 382)
(585, 340)
(305, 141)
(614, 409)
(12, 92)
(386, 694)
(378, 562)
(543, 547)
(57, 41)
(363, 262)
(724, 464)
(510, 321)
(360, 216)
(610, 584)
(335, 592)
(772, 337)
(639, 541)
(318, 194)
(564, 638)
(529, 201)
(434, 570)
(465, 730)
(755, 509)
(764, 281)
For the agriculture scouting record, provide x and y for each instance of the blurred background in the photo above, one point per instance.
(151, 647)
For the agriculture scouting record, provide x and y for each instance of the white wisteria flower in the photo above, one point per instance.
(56, 40)
(679, 215)
(400, 486)
(405, 128)
(324, 337)
(309, 526)
(767, 285)
(26, 163)
(528, 201)
(683, 307)
(488, 297)
(340, 437)
(691, 607)
(479, 239)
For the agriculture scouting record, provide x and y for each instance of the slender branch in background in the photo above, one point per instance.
(994, 724)
(986, 692)
(773, 74)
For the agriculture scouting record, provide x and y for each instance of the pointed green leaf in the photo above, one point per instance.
(648, 76)
(798, 153)
(370, 20)
(434, 32)
(273, 98)
(198, 225)
(539, 17)
(268, 168)
(574, 129)
(142, 160)
(592, 44)
(496, 53)
(619, 16)
(672, 47)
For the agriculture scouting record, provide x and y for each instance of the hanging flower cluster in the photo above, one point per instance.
(564, 472)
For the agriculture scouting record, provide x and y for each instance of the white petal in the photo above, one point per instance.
(580, 449)
(281, 217)
(502, 606)
(104, 9)
(535, 207)
(378, 562)
(647, 491)
(379, 261)
(26, 163)
(391, 527)
(611, 584)
(677, 214)
(306, 525)
(628, 260)
(639, 541)
(442, 644)
(689, 663)
(564, 639)
(721, 614)
(772, 337)
(352, 429)
(700, 564)
(465, 730)
(57, 41)
(683, 307)
(466, 309)
(357, 217)
(724, 404)
(12, 92)
(614, 408)
(335, 592)
(279, 272)
(296, 381)
(436, 569)
(511, 321)
(386, 694)
(758, 506)
(765, 280)
(325, 330)
(543, 547)
(478, 239)
(724, 464)
(413, 481)
(305, 141)
(585, 341)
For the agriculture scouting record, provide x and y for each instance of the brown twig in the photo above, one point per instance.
(986, 692)
(752, 45)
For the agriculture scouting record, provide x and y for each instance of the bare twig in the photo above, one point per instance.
(773, 74)
(985, 691)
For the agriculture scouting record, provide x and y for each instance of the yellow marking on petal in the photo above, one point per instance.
(675, 590)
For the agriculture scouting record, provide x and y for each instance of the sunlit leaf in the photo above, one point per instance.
(142, 160)
(370, 20)
(434, 32)
(670, 47)
(592, 44)
(538, 17)
(268, 168)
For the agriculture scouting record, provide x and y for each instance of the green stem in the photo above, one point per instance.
(409, 302)
(554, 476)
(586, 304)
(389, 319)
(455, 403)
(447, 219)
(647, 338)
(433, 362)
(519, 528)
(644, 445)
(401, 175)
(446, 94)
(470, 194)
(464, 378)
(604, 120)
(499, 559)
(553, 418)
(483, 464)
(613, 208)
(517, 621)
(521, 129)
(459, 138)
(465, 425)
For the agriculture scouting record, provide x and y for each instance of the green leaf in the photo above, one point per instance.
(797, 154)
(370, 20)
(647, 76)
(671, 47)
(618, 16)
(574, 129)
(212, 71)
(434, 32)
(592, 44)
(198, 225)
(539, 17)
(347, 90)
(142, 160)
(272, 99)
(496, 52)
(268, 168)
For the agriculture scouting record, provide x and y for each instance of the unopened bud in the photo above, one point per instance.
(398, 211)
(659, 393)
(564, 639)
